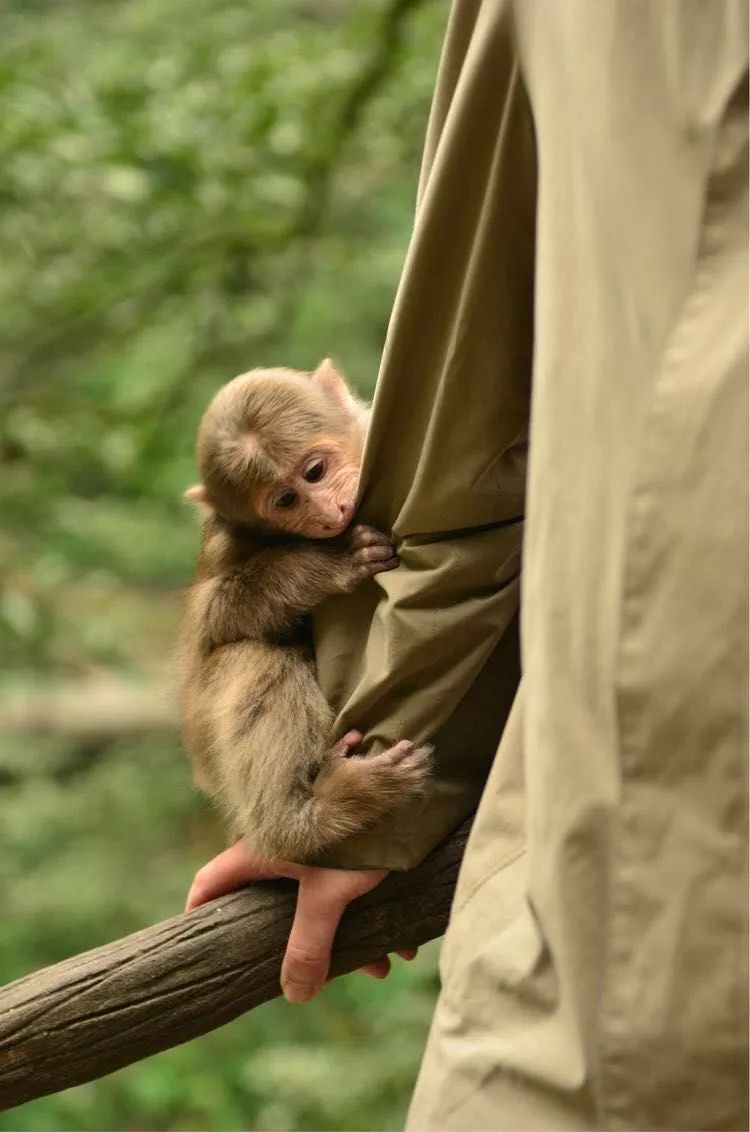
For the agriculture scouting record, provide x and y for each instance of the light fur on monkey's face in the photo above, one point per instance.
(283, 449)
(316, 499)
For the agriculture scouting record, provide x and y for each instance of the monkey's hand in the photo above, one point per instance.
(370, 552)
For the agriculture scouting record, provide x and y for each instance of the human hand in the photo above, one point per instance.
(322, 897)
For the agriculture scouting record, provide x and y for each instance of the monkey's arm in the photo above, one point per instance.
(265, 597)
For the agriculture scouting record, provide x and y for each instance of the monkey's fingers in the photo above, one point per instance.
(379, 552)
(381, 567)
(398, 776)
(350, 741)
(364, 535)
(372, 551)
(406, 752)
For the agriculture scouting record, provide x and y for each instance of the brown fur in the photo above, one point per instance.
(255, 723)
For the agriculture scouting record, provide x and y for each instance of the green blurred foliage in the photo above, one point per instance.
(187, 190)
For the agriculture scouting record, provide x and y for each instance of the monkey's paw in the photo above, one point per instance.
(372, 552)
(402, 772)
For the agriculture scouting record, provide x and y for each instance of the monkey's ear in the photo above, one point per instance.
(333, 384)
(198, 494)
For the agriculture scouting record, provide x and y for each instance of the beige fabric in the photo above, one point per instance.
(445, 465)
(583, 221)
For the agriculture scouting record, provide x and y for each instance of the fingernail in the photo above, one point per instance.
(298, 992)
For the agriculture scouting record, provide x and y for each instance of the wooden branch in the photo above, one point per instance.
(103, 708)
(107, 1008)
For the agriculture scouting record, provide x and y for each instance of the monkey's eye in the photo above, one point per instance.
(287, 500)
(314, 472)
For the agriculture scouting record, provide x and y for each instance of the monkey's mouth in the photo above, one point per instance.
(331, 532)
(333, 529)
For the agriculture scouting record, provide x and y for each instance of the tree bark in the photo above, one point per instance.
(162, 986)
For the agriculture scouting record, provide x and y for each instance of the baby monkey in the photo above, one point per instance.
(279, 454)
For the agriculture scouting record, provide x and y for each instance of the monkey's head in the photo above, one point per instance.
(281, 449)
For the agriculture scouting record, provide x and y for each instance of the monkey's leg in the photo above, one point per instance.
(286, 791)
(349, 795)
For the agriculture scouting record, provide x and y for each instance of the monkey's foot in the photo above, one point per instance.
(348, 743)
(402, 772)
(353, 794)
(372, 552)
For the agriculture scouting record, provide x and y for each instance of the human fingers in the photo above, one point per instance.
(228, 871)
(308, 950)
(382, 967)
(323, 895)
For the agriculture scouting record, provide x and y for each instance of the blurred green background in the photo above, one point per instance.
(187, 189)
